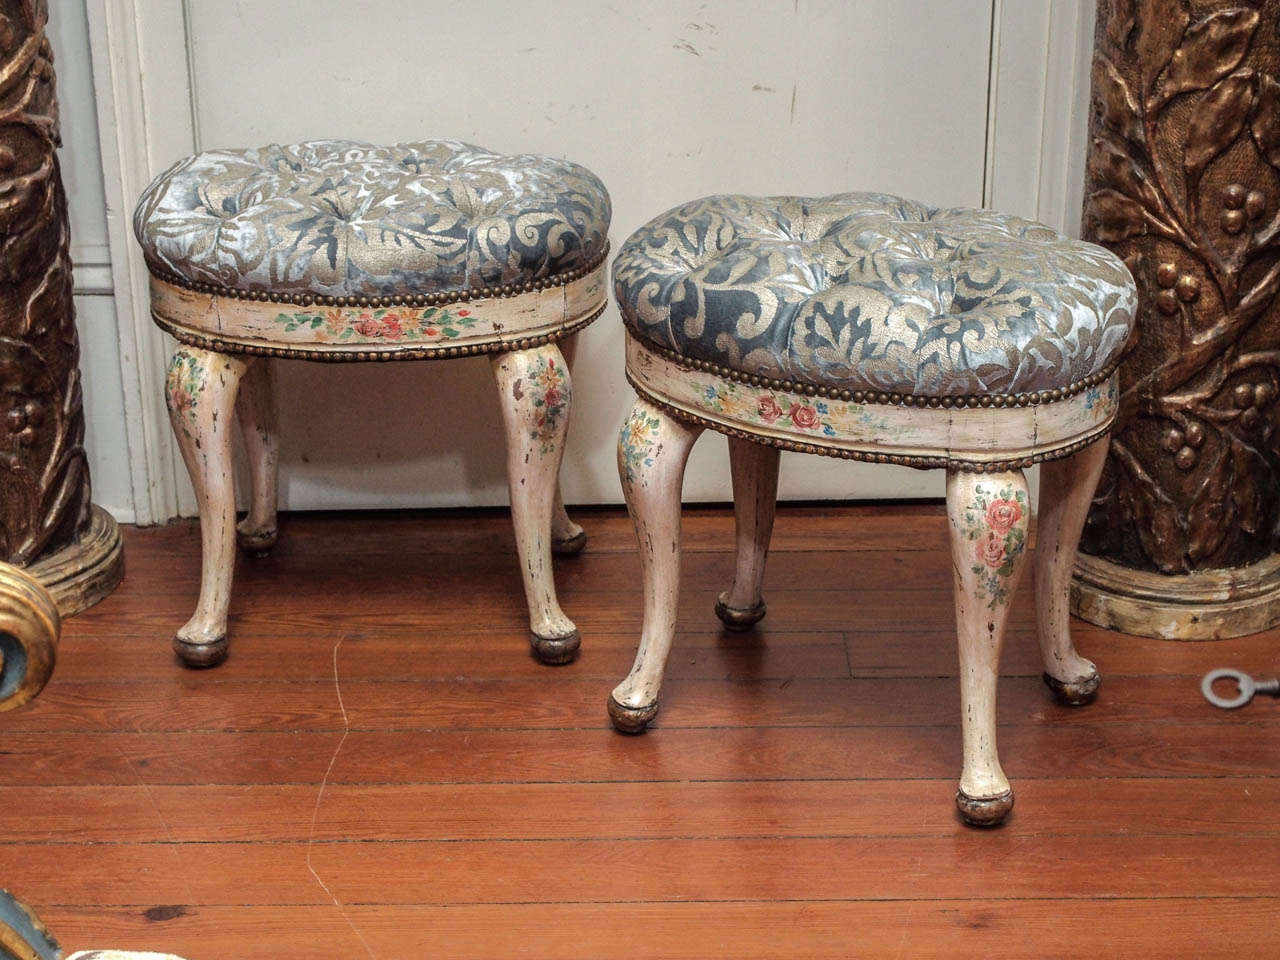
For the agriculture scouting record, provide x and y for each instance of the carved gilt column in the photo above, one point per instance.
(1182, 182)
(48, 523)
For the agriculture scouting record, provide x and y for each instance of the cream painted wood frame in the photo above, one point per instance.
(148, 110)
(985, 443)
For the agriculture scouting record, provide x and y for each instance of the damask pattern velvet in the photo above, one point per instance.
(341, 218)
(868, 291)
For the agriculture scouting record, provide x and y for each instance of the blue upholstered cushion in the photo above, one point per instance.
(868, 291)
(342, 218)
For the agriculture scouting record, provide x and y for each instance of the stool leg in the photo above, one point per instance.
(201, 394)
(652, 451)
(535, 390)
(988, 514)
(754, 467)
(256, 533)
(1066, 489)
(567, 537)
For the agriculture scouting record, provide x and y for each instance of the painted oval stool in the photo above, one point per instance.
(873, 328)
(334, 250)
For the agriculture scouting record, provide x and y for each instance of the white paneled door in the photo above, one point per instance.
(949, 101)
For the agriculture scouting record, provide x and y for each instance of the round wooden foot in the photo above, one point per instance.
(556, 650)
(574, 545)
(201, 655)
(258, 544)
(739, 620)
(631, 719)
(79, 575)
(1074, 693)
(984, 811)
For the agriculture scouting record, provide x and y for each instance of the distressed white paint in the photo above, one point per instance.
(888, 94)
(1066, 491)
(257, 324)
(210, 383)
(754, 468)
(652, 483)
(989, 516)
(968, 434)
(980, 628)
(534, 454)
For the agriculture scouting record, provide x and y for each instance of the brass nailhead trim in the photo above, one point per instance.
(360, 356)
(403, 299)
(902, 460)
(871, 396)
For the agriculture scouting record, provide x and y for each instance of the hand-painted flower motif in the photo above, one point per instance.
(635, 443)
(990, 550)
(768, 408)
(395, 324)
(1002, 515)
(550, 389)
(804, 416)
(184, 383)
(996, 523)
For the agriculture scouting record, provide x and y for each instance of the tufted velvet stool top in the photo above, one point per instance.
(340, 218)
(875, 293)
(339, 250)
(874, 328)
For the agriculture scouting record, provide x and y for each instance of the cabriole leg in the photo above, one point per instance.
(201, 394)
(534, 391)
(754, 467)
(256, 533)
(567, 538)
(1066, 489)
(988, 518)
(653, 448)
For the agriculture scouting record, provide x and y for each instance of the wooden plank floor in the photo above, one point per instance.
(381, 770)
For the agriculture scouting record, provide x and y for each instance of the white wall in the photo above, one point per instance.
(666, 101)
(95, 306)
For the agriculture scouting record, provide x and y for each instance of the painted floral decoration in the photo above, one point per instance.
(183, 385)
(731, 399)
(995, 523)
(635, 443)
(395, 324)
(550, 400)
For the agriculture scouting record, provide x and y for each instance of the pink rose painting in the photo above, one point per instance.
(990, 551)
(803, 416)
(1002, 515)
(769, 409)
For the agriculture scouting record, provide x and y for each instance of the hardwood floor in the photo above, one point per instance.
(381, 769)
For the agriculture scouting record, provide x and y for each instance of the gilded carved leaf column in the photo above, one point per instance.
(48, 523)
(1183, 538)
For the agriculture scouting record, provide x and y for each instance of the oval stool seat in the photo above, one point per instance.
(836, 325)
(343, 218)
(334, 249)
(345, 251)
(864, 291)
(874, 328)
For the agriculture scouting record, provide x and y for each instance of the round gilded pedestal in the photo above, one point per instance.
(1183, 538)
(84, 572)
(48, 525)
(1204, 605)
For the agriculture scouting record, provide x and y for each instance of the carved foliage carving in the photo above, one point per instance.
(44, 477)
(1182, 183)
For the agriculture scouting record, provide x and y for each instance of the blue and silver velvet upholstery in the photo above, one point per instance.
(342, 218)
(873, 292)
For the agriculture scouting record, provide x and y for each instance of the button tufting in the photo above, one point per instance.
(336, 217)
(875, 292)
